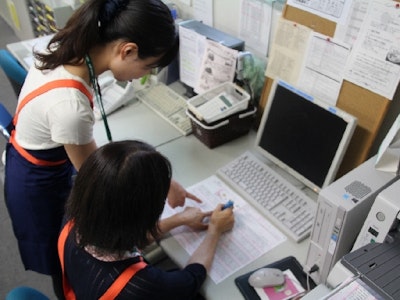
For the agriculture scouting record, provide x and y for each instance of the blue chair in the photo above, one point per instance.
(14, 71)
(25, 293)
(5, 122)
(5, 127)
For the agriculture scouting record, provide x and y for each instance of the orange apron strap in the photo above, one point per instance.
(71, 83)
(122, 280)
(29, 157)
(61, 83)
(68, 292)
(114, 289)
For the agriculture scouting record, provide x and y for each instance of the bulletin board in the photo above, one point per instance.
(369, 108)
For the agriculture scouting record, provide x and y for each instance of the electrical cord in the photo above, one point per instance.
(311, 270)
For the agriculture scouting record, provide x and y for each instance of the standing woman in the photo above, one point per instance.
(54, 119)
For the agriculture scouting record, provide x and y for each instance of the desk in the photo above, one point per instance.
(136, 121)
(192, 161)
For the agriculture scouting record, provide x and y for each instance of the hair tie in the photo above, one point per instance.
(110, 9)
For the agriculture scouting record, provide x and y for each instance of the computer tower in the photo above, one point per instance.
(342, 209)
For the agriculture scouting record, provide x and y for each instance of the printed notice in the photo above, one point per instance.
(374, 62)
(323, 71)
(288, 51)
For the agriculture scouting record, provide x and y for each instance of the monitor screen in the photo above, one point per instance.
(304, 136)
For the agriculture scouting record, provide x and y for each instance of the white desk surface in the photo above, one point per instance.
(136, 121)
(192, 161)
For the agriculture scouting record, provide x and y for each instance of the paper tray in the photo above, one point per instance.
(225, 130)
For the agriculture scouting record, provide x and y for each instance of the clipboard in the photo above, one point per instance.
(289, 262)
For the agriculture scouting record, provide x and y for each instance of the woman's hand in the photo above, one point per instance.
(221, 220)
(177, 195)
(193, 217)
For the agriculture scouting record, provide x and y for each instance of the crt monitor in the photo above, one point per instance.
(303, 135)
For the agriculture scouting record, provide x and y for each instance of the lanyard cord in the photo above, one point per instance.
(96, 88)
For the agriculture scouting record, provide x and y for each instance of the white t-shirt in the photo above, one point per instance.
(57, 117)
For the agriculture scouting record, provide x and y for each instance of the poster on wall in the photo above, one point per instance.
(374, 61)
(288, 51)
(255, 25)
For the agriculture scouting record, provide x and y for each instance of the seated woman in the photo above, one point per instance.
(114, 211)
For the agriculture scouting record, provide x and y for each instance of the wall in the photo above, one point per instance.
(4, 12)
(227, 18)
(24, 31)
(226, 15)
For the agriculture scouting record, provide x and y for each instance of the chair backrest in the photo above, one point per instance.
(14, 71)
(25, 293)
(5, 121)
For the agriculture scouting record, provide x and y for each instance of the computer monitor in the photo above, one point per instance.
(304, 136)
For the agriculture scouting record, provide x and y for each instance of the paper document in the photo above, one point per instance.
(218, 66)
(323, 72)
(252, 236)
(255, 25)
(191, 52)
(353, 288)
(348, 31)
(374, 61)
(288, 50)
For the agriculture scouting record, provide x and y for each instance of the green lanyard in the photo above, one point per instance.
(96, 88)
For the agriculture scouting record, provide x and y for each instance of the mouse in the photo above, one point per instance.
(266, 277)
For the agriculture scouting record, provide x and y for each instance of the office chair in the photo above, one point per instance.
(5, 127)
(5, 122)
(25, 293)
(14, 71)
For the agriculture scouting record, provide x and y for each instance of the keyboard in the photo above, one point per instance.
(272, 195)
(168, 104)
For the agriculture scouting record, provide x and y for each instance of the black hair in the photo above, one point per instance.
(148, 23)
(118, 196)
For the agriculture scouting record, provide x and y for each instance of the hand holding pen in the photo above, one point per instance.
(222, 218)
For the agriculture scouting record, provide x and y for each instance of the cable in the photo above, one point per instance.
(308, 272)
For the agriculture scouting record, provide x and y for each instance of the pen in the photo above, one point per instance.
(227, 205)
